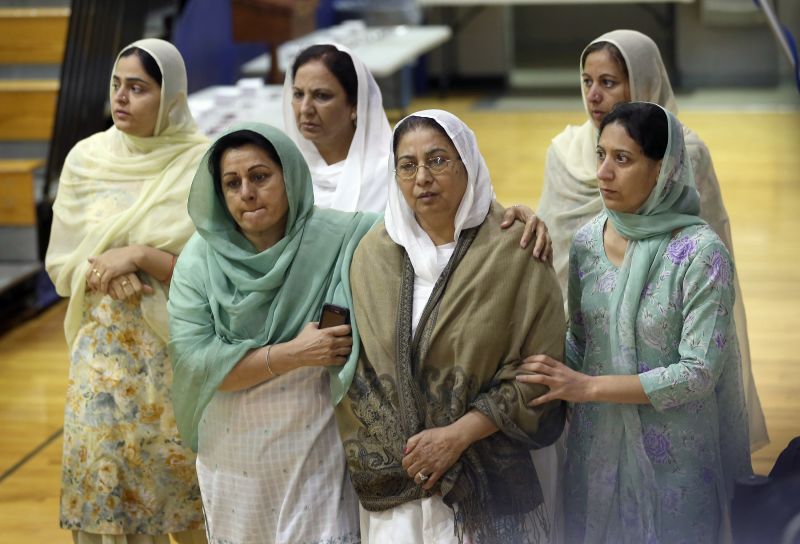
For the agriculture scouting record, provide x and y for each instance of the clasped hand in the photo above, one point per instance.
(114, 273)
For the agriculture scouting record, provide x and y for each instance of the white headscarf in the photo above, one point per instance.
(401, 224)
(88, 214)
(362, 181)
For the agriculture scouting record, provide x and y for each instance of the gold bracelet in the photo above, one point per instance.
(271, 373)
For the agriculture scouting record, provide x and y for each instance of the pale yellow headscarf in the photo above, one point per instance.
(113, 167)
(648, 82)
(570, 196)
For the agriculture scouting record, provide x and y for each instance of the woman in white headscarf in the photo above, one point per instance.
(435, 428)
(333, 111)
(621, 66)
(120, 220)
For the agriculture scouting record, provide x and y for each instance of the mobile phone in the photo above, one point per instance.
(333, 315)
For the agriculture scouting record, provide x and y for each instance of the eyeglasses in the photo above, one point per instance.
(435, 165)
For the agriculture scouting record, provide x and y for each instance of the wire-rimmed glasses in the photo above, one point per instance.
(407, 170)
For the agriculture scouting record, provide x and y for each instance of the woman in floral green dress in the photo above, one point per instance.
(659, 429)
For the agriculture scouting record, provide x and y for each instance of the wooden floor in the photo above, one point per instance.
(757, 156)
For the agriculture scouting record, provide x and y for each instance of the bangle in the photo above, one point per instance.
(173, 260)
(266, 360)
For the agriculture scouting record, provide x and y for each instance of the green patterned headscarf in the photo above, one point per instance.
(673, 204)
(226, 298)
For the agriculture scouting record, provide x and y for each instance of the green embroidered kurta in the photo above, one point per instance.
(663, 471)
(695, 432)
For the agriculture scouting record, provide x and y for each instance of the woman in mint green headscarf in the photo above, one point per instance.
(659, 429)
(244, 296)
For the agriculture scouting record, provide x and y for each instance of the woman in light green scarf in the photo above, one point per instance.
(659, 428)
(244, 296)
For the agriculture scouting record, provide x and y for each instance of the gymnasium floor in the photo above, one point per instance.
(754, 138)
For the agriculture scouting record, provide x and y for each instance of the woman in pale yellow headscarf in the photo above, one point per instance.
(120, 219)
(624, 66)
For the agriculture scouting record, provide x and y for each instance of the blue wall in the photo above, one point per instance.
(204, 37)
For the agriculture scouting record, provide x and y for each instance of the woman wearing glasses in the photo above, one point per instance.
(255, 376)
(436, 430)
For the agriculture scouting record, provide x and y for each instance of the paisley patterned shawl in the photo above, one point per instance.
(463, 356)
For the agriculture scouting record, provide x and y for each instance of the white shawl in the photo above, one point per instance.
(109, 167)
(362, 181)
(402, 226)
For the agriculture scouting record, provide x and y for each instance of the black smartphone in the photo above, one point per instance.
(333, 315)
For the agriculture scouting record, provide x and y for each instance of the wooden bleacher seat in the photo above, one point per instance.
(33, 35)
(17, 201)
(27, 109)
(19, 252)
(28, 37)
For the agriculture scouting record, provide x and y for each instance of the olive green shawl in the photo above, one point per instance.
(491, 307)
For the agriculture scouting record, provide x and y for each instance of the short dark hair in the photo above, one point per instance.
(337, 62)
(613, 50)
(235, 140)
(647, 124)
(148, 62)
(414, 122)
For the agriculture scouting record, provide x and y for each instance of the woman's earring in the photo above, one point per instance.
(353, 118)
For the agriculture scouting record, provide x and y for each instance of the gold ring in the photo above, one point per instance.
(124, 283)
(422, 477)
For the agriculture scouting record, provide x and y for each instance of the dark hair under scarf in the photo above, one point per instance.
(148, 62)
(255, 298)
(235, 140)
(337, 62)
(645, 123)
(613, 51)
(415, 122)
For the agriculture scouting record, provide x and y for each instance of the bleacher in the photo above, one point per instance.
(55, 57)
(32, 42)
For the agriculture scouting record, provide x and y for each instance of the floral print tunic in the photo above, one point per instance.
(694, 432)
(124, 468)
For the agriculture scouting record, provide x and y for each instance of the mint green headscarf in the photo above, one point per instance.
(226, 298)
(673, 204)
